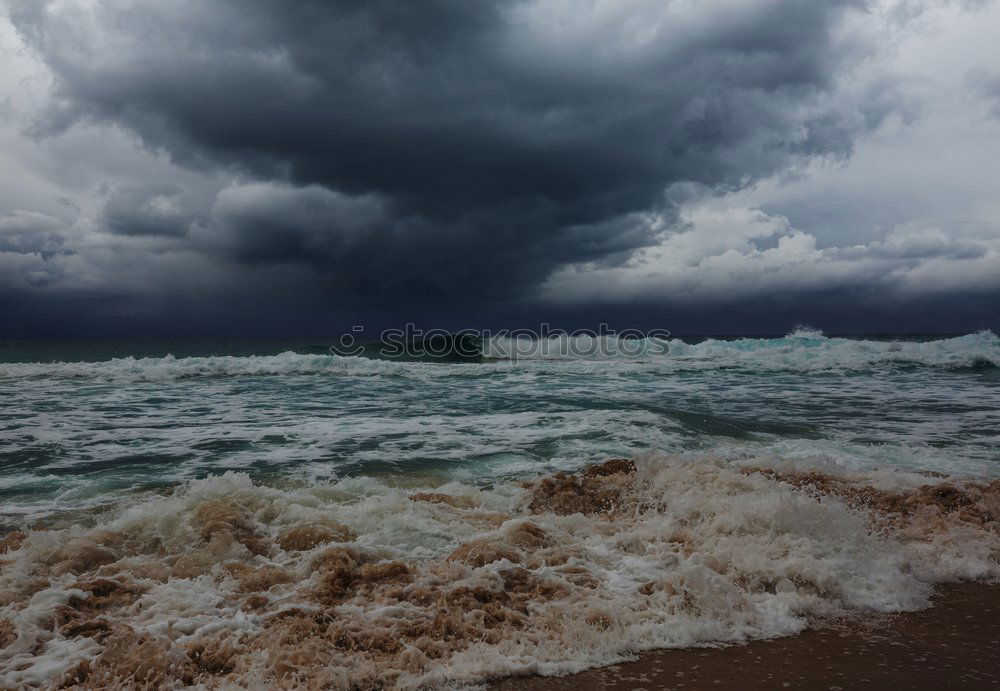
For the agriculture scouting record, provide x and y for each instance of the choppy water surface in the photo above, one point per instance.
(257, 515)
(77, 434)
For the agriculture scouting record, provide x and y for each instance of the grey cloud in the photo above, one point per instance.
(986, 83)
(726, 254)
(30, 246)
(26, 232)
(150, 209)
(276, 224)
(926, 246)
(499, 147)
(459, 158)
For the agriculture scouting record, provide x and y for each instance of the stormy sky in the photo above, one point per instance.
(275, 169)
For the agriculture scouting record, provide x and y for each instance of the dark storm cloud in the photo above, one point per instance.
(448, 147)
(28, 241)
(274, 224)
(146, 210)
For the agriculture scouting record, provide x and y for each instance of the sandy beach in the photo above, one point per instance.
(955, 643)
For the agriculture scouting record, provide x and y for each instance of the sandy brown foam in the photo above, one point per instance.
(973, 503)
(247, 586)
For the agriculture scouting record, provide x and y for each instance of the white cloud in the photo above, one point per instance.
(730, 252)
(914, 211)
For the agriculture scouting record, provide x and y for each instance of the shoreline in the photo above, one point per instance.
(955, 641)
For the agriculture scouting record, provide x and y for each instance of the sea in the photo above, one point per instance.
(262, 512)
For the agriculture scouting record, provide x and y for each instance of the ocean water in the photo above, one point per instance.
(84, 426)
(270, 512)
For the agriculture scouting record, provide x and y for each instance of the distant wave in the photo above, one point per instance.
(170, 368)
(808, 350)
(803, 350)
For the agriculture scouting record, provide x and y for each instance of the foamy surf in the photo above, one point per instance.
(358, 584)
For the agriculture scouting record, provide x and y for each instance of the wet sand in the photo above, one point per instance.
(955, 643)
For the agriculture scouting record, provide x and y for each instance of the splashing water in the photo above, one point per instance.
(295, 517)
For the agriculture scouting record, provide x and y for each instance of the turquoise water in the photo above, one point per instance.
(86, 426)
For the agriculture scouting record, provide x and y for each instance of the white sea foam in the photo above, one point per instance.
(687, 550)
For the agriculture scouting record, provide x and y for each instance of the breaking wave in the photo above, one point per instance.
(808, 350)
(800, 351)
(363, 585)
